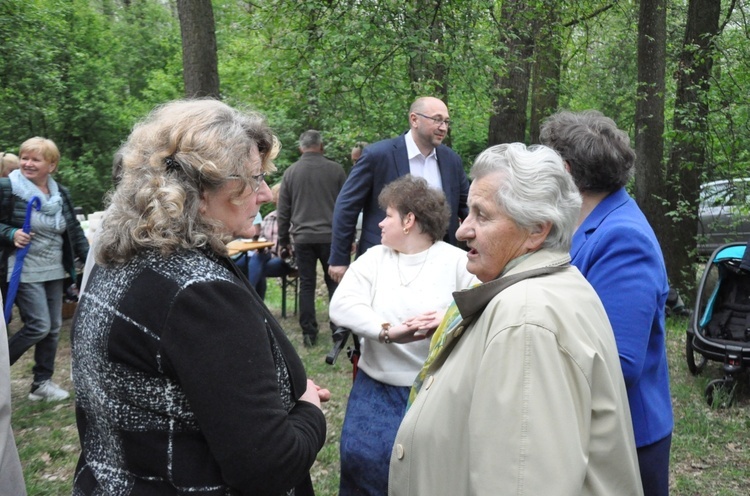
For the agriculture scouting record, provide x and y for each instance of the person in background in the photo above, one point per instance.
(11, 474)
(418, 152)
(356, 154)
(268, 262)
(357, 150)
(522, 391)
(392, 298)
(242, 259)
(8, 163)
(616, 250)
(57, 241)
(91, 258)
(185, 382)
(305, 214)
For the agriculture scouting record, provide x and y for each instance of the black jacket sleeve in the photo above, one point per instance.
(217, 345)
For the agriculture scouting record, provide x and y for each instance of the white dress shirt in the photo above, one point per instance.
(421, 166)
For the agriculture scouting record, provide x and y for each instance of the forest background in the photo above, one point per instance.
(672, 73)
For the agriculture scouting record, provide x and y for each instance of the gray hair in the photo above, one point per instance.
(179, 151)
(310, 139)
(598, 153)
(536, 189)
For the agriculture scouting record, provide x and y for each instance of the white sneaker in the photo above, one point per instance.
(49, 391)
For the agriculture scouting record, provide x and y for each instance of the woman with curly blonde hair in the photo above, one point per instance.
(184, 380)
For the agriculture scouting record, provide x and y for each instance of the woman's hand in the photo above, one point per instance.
(428, 321)
(315, 394)
(416, 328)
(21, 239)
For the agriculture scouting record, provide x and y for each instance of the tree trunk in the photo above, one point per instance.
(687, 158)
(200, 67)
(650, 187)
(428, 72)
(545, 89)
(511, 87)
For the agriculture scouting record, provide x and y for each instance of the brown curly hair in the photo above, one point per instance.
(429, 206)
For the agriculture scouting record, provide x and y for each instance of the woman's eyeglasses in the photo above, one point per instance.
(255, 181)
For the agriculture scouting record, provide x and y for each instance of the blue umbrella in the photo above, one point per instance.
(15, 277)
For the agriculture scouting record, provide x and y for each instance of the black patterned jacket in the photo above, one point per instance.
(186, 384)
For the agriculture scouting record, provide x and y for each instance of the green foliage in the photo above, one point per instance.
(343, 67)
(81, 78)
(601, 74)
(82, 72)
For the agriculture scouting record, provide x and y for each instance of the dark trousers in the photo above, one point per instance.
(653, 460)
(307, 256)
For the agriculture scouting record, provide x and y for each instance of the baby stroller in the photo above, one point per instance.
(719, 328)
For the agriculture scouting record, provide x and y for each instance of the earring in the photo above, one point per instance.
(406, 230)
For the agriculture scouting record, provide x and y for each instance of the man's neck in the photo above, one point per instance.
(424, 149)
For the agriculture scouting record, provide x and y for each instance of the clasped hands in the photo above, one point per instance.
(416, 328)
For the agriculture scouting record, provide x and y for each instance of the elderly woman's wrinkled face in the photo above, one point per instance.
(492, 237)
(237, 213)
(35, 167)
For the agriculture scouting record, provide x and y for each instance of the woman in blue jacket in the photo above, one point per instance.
(616, 250)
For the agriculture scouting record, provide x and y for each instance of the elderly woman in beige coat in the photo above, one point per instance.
(522, 392)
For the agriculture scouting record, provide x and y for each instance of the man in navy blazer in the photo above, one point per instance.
(419, 152)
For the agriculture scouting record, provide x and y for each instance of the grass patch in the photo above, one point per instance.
(710, 446)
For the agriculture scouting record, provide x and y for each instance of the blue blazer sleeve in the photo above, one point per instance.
(354, 195)
(455, 187)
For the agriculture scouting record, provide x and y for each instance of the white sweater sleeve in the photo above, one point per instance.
(351, 305)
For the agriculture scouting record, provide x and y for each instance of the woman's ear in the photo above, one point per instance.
(537, 236)
(203, 205)
(408, 220)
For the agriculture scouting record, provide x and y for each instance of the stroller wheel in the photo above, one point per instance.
(694, 366)
(720, 393)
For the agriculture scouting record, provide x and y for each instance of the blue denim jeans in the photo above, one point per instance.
(261, 265)
(40, 306)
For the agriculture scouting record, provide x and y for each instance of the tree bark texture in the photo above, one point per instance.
(650, 184)
(199, 60)
(687, 157)
(545, 89)
(511, 87)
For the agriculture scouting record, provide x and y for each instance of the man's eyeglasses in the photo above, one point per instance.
(256, 180)
(436, 120)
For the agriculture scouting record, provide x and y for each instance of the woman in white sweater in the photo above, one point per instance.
(393, 297)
